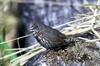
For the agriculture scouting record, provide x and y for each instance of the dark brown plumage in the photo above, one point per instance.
(48, 37)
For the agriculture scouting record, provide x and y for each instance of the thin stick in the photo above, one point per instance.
(16, 39)
(18, 52)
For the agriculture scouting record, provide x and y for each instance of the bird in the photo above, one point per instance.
(48, 37)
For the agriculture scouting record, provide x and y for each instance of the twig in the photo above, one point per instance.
(16, 39)
(96, 33)
(27, 57)
(88, 40)
(18, 52)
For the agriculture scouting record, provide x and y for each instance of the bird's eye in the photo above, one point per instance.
(34, 27)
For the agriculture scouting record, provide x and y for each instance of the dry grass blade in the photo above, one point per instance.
(25, 57)
(96, 33)
(18, 52)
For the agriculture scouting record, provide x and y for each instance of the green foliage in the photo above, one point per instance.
(4, 51)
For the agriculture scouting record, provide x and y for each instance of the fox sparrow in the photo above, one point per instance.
(48, 37)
